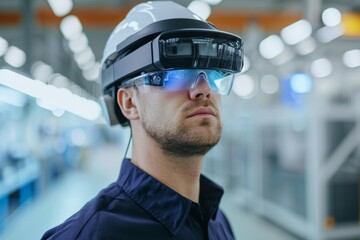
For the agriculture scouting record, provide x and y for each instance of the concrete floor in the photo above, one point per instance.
(75, 188)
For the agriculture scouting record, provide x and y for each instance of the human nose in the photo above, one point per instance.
(201, 89)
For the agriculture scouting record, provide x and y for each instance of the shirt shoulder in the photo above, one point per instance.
(110, 199)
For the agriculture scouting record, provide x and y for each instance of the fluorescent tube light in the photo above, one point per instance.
(61, 7)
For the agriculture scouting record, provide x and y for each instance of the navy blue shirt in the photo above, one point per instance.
(138, 206)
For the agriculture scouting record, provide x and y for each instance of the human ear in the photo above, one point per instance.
(125, 100)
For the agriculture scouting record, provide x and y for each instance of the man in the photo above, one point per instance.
(164, 71)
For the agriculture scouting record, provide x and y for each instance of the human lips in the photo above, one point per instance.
(202, 112)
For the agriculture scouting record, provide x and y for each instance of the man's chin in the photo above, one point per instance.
(204, 136)
(187, 149)
(205, 128)
(191, 142)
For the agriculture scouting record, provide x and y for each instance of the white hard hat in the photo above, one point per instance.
(141, 16)
(162, 35)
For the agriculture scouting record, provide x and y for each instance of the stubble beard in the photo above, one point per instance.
(182, 140)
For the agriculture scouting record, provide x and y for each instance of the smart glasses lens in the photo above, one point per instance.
(183, 79)
(219, 81)
(178, 80)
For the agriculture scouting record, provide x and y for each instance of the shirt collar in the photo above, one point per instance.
(167, 206)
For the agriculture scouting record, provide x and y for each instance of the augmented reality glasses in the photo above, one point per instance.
(178, 49)
(182, 79)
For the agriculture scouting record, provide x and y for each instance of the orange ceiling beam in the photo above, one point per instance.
(109, 18)
(239, 21)
(9, 19)
(228, 20)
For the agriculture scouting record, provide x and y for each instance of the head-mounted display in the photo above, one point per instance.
(179, 49)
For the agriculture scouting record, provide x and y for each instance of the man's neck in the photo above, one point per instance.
(181, 174)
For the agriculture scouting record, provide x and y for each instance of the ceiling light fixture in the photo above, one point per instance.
(351, 58)
(3, 46)
(296, 32)
(15, 57)
(331, 17)
(57, 97)
(271, 46)
(71, 27)
(61, 7)
(321, 68)
(202, 9)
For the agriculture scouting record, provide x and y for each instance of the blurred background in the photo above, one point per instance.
(289, 157)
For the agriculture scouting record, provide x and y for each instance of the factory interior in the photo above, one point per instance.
(289, 155)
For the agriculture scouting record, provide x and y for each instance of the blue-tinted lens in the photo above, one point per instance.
(214, 78)
(182, 79)
(178, 79)
(221, 82)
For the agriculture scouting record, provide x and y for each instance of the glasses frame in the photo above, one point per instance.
(148, 79)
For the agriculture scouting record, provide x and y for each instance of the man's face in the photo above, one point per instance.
(183, 123)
